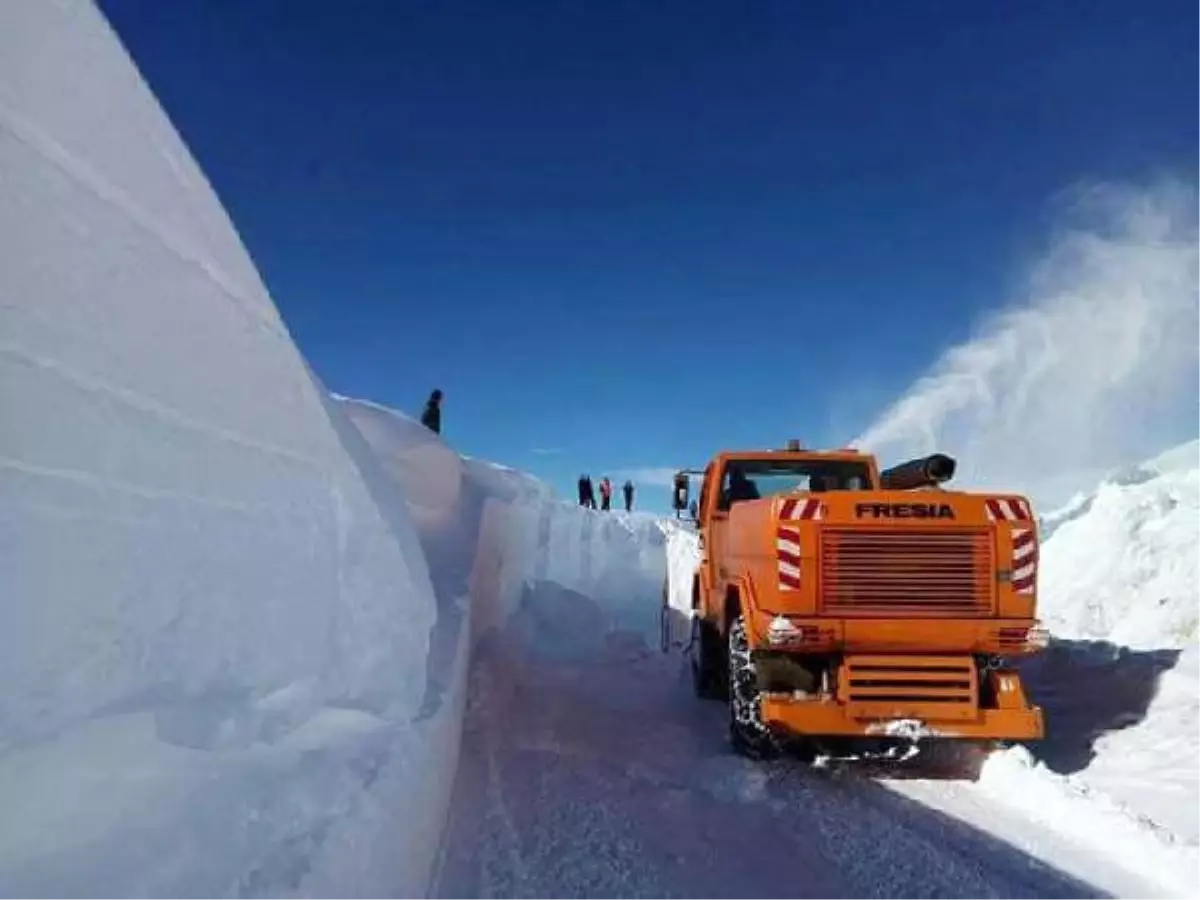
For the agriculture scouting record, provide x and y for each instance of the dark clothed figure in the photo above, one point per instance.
(431, 417)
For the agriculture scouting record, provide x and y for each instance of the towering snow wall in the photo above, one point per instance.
(236, 611)
(1122, 563)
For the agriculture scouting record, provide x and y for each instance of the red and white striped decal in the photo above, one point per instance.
(801, 509)
(1008, 509)
(787, 548)
(1025, 560)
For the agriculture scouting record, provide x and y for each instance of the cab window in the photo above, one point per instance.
(753, 479)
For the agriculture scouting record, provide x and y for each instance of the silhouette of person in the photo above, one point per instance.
(431, 416)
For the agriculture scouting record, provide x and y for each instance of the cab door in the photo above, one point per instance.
(715, 508)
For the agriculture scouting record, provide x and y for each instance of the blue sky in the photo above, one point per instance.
(633, 234)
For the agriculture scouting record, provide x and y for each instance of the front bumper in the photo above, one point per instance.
(830, 718)
(910, 696)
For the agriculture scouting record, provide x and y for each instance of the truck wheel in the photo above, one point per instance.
(708, 662)
(747, 732)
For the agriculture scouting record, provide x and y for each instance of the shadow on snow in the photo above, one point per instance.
(1086, 690)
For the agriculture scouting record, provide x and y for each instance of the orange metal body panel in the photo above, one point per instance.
(917, 593)
(918, 572)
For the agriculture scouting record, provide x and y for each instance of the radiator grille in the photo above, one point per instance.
(906, 572)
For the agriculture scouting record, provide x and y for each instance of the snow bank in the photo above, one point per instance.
(1121, 683)
(1093, 820)
(1151, 766)
(683, 558)
(238, 610)
(1121, 563)
(491, 532)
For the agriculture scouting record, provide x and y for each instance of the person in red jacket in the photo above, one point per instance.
(605, 493)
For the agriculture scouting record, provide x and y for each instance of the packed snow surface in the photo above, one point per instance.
(264, 640)
(1121, 683)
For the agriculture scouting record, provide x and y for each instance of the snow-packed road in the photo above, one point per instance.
(588, 769)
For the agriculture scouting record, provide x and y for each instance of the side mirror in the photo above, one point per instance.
(679, 496)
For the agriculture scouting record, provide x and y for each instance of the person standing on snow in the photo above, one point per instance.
(587, 494)
(605, 493)
(431, 417)
(627, 490)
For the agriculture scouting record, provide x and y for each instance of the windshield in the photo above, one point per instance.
(753, 479)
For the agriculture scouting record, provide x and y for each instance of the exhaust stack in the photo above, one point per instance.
(924, 471)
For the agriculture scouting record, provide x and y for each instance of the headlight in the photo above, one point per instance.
(1037, 637)
(782, 631)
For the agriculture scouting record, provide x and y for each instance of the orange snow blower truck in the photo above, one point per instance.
(858, 608)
